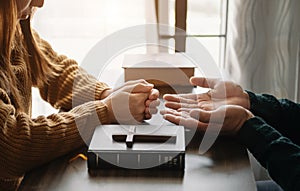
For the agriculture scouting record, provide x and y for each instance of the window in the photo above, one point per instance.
(206, 20)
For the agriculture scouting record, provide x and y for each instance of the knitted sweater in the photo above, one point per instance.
(273, 137)
(27, 142)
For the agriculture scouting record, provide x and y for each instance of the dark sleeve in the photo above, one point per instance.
(281, 114)
(278, 154)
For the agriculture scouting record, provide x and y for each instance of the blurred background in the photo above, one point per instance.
(73, 27)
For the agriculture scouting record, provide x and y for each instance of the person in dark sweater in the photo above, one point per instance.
(267, 126)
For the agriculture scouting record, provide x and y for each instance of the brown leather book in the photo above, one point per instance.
(161, 69)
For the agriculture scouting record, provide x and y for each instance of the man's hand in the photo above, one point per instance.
(221, 93)
(229, 118)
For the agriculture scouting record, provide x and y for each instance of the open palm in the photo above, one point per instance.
(228, 119)
(220, 93)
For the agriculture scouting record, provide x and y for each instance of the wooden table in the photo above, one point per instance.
(225, 167)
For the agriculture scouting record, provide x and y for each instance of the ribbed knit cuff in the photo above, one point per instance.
(253, 100)
(90, 115)
(102, 112)
(10, 184)
(96, 111)
(92, 91)
(100, 88)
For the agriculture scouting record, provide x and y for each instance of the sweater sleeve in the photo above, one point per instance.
(281, 114)
(72, 85)
(27, 143)
(278, 154)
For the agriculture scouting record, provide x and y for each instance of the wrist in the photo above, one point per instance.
(246, 100)
(106, 93)
(243, 119)
(249, 115)
(109, 111)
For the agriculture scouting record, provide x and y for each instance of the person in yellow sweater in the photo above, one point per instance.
(28, 61)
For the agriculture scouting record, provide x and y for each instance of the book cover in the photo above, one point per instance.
(161, 69)
(145, 147)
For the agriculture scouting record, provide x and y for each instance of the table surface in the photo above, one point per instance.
(225, 166)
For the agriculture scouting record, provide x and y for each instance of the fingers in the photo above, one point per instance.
(139, 98)
(132, 82)
(206, 105)
(204, 82)
(183, 98)
(176, 105)
(185, 110)
(143, 106)
(148, 116)
(200, 115)
(139, 88)
(180, 101)
(174, 112)
(152, 103)
(173, 105)
(145, 97)
(131, 103)
(150, 110)
(180, 118)
(154, 94)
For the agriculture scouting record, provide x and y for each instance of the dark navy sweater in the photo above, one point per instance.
(273, 137)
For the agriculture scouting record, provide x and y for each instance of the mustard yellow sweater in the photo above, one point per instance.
(25, 142)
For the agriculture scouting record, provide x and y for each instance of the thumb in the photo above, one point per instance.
(141, 88)
(200, 115)
(204, 82)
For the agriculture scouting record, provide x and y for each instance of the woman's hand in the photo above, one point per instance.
(107, 92)
(132, 103)
(229, 118)
(221, 93)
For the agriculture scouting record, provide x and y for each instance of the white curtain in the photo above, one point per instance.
(262, 45)
(263, 48)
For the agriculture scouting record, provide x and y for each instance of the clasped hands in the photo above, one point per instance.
(131, 103)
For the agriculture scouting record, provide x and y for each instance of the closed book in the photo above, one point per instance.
(161, 69)
(153, 147)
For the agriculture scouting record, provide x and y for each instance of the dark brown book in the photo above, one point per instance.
(137, 147)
